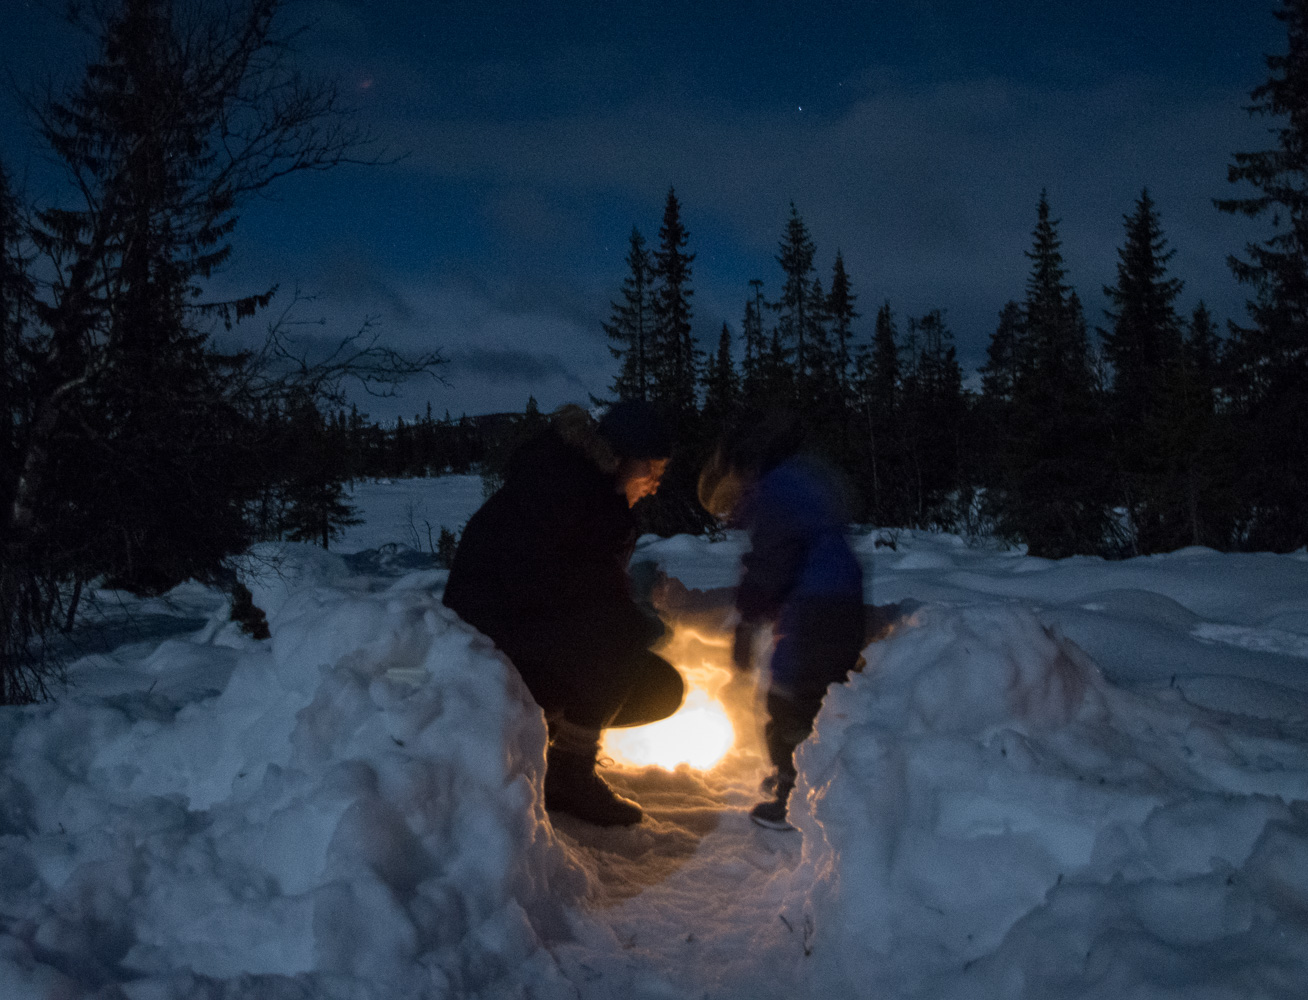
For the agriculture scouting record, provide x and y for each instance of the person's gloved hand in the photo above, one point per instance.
(742, 647)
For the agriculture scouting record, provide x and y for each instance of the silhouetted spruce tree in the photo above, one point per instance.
(1268, 359)
(401, 448)
(1053, 493)
(877, 389)
(22, 674)
(999, 373)
(631, 324)
(1143, 346)
(721, 387)
(1203, 350)
(771, 382)
(994, 407)
(824, 374)
(841, 315)
(675, 378)
(316, 508)
(931, 418)
(676, 362)
(799, 309)
(356, 448)
(823, 403)
(1203, 439)
(778, 369)
(424, 444)
(153, 396)
(16, 301)
(751, 332)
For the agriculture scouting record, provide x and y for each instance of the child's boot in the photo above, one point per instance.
(771, 813)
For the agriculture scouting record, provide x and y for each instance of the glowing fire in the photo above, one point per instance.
(700, 732)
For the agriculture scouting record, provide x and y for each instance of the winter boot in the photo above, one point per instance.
(771, 813)
(573, 787)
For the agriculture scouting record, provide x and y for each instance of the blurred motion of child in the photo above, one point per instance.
(799, 576)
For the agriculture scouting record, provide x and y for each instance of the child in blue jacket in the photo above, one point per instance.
(799, 576)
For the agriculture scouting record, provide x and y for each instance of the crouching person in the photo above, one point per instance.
(541, 569)
(800, 576)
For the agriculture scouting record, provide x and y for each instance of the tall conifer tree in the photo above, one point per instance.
(1202, 440)
(751, 331)
(721, 386)
(841, 315)
(1143, 347)
(1268, 358)
(631, 324)
(677, 357)
(998, 378)
(999, 373)
(798, 309)
(157, 226)
(877, 385)
(16, 301)
(1052, 494)
(317, 510)
(932, 416)
(823, 381)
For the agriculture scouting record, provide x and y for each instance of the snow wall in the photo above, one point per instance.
(356, 814)
(983, 816)
(352, 811)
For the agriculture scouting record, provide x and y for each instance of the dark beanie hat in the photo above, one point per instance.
(635, 429)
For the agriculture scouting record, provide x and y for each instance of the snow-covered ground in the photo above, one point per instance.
(1053, 779)
(410, 511)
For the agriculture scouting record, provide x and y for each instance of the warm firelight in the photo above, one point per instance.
(700, 733)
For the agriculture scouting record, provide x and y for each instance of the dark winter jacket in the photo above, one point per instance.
(801, 574)
(541, 567)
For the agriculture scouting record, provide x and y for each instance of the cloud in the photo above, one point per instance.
(928, 189)
(502, 365)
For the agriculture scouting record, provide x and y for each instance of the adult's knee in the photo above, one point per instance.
(666, 690)
(654, 688)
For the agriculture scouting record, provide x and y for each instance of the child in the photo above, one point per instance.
(800, 576)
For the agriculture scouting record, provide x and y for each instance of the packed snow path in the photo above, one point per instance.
(1056, 780)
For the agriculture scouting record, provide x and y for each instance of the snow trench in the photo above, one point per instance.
(354, 810)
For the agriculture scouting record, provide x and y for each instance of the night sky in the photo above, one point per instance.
(914, 136)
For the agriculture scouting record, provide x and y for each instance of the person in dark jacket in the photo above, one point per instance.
(541, 569)
(800, 576)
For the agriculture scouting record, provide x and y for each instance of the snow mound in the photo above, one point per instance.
(924, 560)
(357, 813)
(275, 570)
(984, 816)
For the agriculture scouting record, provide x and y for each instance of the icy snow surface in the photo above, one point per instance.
(1053, 779)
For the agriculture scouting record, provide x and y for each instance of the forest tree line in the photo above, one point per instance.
(1118, 440)
(1141, 429)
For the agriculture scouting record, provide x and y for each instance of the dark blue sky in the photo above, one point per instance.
(915, 136)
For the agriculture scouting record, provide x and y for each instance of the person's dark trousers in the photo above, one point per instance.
(578, 703)
(628, 690)
(819, 643)
(790, 721)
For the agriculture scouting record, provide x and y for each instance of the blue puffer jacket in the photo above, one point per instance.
(800, 573)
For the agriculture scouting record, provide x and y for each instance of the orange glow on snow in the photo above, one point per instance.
(700, 733)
